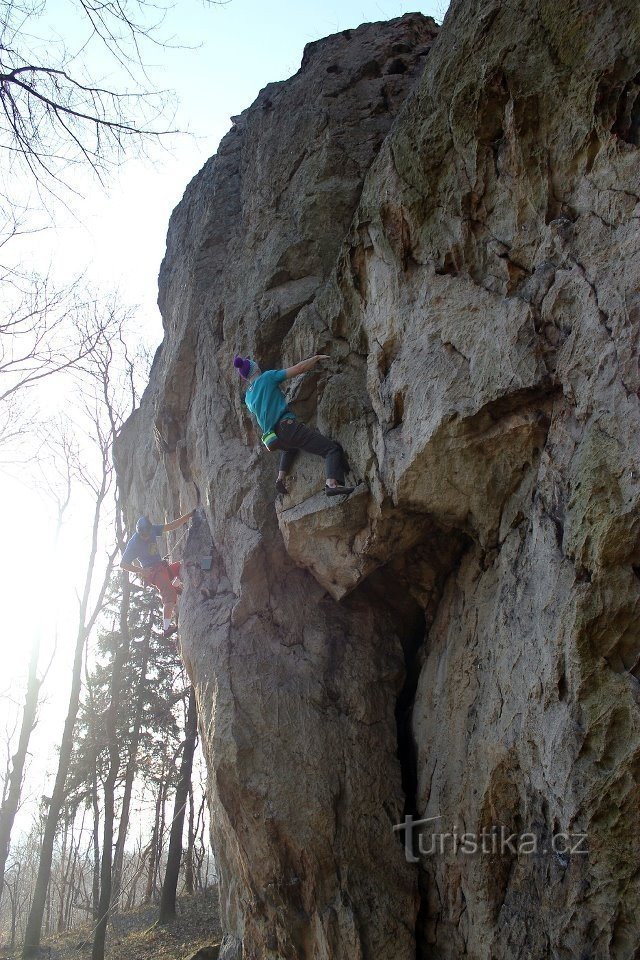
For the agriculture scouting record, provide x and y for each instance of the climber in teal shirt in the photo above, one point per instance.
(281, 430)
(265, 401)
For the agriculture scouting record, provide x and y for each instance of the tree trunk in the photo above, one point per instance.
(199, 850)
(119, 660)
(95, 890)
(161, 833)
(72, 885)
(188, 862)
(170, 885)
(137, 873)
(132, 762)
(13, 895)
(63, 870)
(153, 845)
(12, 800)
(47, 919)
(34, 921)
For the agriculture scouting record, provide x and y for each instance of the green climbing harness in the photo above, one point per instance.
(269, 438)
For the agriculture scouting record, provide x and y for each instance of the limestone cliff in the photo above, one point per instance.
(455, 221)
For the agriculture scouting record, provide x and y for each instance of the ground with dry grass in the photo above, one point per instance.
(136, 935)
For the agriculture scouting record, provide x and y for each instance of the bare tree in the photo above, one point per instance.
(55, 114)
(104, 408)
(44, 331)
(111, 719)
(188, 857)
(51, 115)
(11, 801)
(35, 329)
(131, 767)
(58, 486)
(170, 885)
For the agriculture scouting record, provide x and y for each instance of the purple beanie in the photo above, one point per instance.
(243, 365)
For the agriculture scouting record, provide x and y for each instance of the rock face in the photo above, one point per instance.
(456, 224)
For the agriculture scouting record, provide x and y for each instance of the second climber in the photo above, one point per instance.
(152, 569)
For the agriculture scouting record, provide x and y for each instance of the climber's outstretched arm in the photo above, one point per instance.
(168, 527)
(304, 365)
(130, 568)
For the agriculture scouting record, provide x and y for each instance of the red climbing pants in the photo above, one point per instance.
(161, 577)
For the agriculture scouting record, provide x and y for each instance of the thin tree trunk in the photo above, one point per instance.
(188, 862)
(161, 832)
(95, 891)
(170, 885)
(34, 922)
(198, 845)
(12, 799)
(63, 868)
(132, 762)
(47, 919)
(72, 885)
(138, 871)
(119, 660)
(13, 895)
(153, 846)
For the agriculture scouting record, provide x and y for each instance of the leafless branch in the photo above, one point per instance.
(55, 114)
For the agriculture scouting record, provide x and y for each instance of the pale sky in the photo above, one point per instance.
(237, 48)
(117, 238)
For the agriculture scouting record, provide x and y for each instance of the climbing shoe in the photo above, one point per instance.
(169, 632)
(339, 491)
(281, 486)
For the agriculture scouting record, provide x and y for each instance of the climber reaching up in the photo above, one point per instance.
(152, 569)
(281, 430)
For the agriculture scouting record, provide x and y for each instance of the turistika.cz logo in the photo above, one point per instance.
(496, 840)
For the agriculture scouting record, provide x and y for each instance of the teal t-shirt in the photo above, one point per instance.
(265, 401)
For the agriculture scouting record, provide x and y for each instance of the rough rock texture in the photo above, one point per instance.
(460, 638)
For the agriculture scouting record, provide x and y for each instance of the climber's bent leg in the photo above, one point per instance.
(286, 462)
(163, 577)
(173, 570)
(294, 435)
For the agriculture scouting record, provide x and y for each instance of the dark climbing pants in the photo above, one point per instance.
(294, 436)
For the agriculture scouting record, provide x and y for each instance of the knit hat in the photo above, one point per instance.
(244, 366)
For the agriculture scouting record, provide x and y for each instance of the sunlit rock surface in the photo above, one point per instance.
(456, 224)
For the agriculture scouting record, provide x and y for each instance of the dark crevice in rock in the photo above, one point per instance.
(272, 332)
(408, 591)
(420, 577)
(397, 66)
(398, 409)
(370, 71)
(184, 462)
(627, 122)
(562, 686)
(407, 751)
(449, 266)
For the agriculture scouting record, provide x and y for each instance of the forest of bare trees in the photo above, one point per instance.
(109, 835)
(150, 732)
(122, 820)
